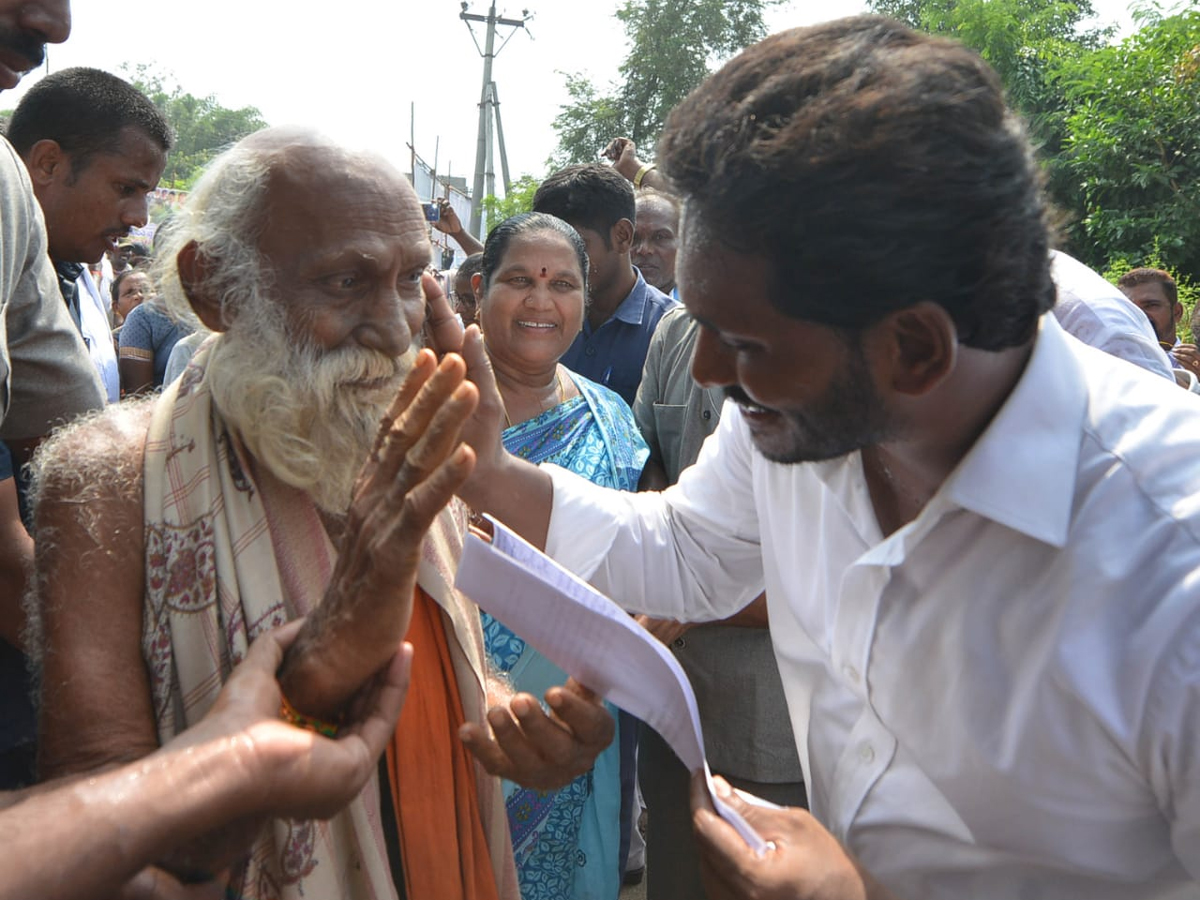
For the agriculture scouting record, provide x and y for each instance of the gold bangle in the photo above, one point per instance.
(289, 714)
(641, 173)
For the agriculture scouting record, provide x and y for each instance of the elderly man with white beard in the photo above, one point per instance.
(173, 531)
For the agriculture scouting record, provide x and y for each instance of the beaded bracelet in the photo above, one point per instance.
(308, 723)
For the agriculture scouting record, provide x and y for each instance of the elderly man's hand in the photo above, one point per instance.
(414, 469)
(806, 862)
(541, 751)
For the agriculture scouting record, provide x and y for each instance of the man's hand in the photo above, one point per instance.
(283, 771)
(442, 325)
(806, 863)
(665, 630)
(540, 751)
(448, 221)
(623, 153)
(1189, 357)
(413, 471)
(292, 772)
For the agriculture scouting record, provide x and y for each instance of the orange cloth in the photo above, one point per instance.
(432, 776)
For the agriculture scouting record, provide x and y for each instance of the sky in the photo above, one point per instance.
(370, 73)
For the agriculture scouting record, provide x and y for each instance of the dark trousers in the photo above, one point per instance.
(672, 856)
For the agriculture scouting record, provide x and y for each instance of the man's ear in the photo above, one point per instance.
(921, 343)
(477, 285)
(1178, 312)
(193, 269)
(46, 162)
(621, 236)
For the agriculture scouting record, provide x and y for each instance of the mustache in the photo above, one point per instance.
(735, 393)
(29, 45)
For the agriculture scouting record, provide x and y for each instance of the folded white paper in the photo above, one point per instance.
(594, 640)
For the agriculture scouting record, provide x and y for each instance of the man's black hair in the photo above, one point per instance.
(84, 111)
(589, 196)
(870, 167)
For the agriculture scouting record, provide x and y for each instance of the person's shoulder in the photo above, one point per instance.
(98, 457)
(659, 301)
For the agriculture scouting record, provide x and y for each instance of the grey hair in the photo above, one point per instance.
(223, 216)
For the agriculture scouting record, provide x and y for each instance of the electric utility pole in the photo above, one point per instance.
(489, 112)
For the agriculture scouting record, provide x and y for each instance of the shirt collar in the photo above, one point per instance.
(633, 308)
(1021, 471)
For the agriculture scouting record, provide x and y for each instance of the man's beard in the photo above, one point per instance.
(847, 417)
(309, 415)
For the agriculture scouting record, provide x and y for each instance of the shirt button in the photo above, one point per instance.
(707, 414)
(866, 753)
(589, 351)
(679, 643)
(851, 673)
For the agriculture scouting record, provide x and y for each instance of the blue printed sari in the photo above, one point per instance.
(567, 841)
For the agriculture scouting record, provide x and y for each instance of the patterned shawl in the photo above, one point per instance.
(232, 552)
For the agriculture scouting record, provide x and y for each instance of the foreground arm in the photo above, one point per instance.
(806, 863)
(86, 838)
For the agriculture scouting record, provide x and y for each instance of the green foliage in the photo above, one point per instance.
(673, 45)
(518, 200)
(1189, 291)
(1133, 143)
(1117, 126)
(202, 126)
(1026, 42)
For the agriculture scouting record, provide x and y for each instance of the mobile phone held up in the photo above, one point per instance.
(432, 211)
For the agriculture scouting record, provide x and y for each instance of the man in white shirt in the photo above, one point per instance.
(1099, 314)
(978, 537)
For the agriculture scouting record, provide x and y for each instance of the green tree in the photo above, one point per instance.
(519, 199)
(1027, 42)
(202, 126)
(1133, 145)
(673, 45)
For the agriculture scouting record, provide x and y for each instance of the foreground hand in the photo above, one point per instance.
(807, 862)
(292, 772)
(153, 883)
(540, 751)
(666, 631)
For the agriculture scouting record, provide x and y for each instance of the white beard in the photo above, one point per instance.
(309, 416)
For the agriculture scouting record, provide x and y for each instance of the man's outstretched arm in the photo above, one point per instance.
(86, 837)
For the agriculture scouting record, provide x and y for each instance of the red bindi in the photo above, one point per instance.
(543, 272)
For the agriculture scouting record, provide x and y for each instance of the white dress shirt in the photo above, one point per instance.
(97, 335)
(1100, 315)
(1002, 698)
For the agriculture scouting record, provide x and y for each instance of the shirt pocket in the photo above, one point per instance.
(668, 427)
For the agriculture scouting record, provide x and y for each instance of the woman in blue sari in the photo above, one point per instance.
(532, 287)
